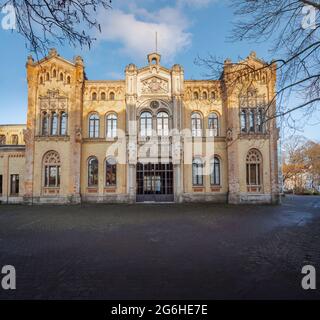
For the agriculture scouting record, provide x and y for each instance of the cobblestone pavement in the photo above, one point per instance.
(178, 251)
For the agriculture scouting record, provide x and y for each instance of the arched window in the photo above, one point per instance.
(243, 120)
(215, 171)
(195, 95)
(14, 139)
(204, 95)
(111, 96)
(41, 80)
(163, 123)
(197, 172)
(61, 76)
(54, 73)
(112, 125)
(103, 96)
(54, 124)
(94, 96)
(213, 95)
(93, 172)
(94, 126)
(63, 124)
(68, 80)
(111, 172)
(45, 124)
(213, 125)
(51, 165)
(196, 124)
(47, 76)
(253, 170)
(146, 124)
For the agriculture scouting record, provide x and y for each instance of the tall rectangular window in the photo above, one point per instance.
(94, 125)
(0, 184)
(111, 173)
(260, 120)
(52, 176)
(197, 172)
(243, 119)
(63, 123)
(252, 121)
(14, 184)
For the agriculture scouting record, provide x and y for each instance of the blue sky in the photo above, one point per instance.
(186, 29)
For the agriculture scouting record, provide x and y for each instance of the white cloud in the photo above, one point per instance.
(136, 29)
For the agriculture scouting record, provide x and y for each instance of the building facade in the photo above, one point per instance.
(153, 136)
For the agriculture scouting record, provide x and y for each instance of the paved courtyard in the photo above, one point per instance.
(162, 251)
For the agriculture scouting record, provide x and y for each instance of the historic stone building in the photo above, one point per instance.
(153, 136)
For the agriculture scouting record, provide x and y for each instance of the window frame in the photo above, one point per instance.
(48, 176)
(45, 119)
(215, 130)
(111, 168)
(197, 167)
(196, 119)
(95, 175)
(14, 185)
(254, 170)
(14, 139)
(63, 123)
(146, 125)
(215, 171)
(94, 126)
(111, 125)
(163, 126)
(54, 124)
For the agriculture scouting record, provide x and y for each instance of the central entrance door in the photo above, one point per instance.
(155, 182)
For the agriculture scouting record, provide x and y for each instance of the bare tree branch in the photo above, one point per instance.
(45, 23)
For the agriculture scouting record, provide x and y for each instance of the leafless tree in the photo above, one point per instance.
(292, 29)
(44, 23)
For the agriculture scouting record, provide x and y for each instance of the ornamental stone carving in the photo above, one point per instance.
(53, 101)
(154, 85)
(229, 137)
(51, 157)
(78, 134)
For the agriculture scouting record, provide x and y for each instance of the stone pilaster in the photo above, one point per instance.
(74, 131)
(30, 131)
